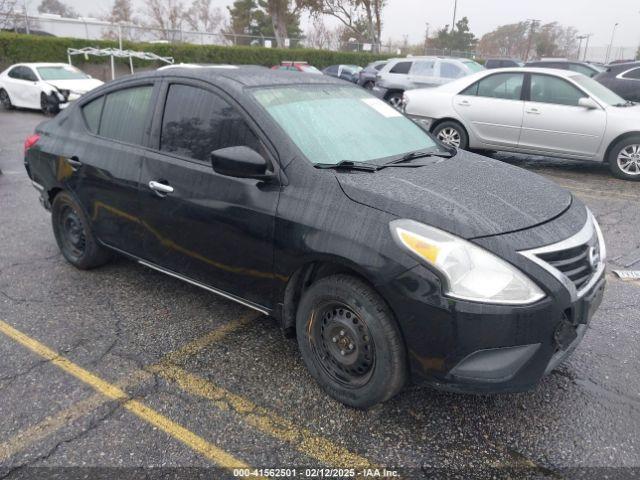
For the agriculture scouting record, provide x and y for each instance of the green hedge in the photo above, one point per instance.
(16, 48)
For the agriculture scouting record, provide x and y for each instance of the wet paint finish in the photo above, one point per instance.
(261, 240)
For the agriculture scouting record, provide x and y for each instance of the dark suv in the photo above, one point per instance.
(584, 68)
(308, 199)
(622, 78)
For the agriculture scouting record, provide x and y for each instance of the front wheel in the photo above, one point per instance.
(49, 106)
(350, 342)
(369, 85)
(395, 100)
(624, 159)
(452, 134)
(73, 234)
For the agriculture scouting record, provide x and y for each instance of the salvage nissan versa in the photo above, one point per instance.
(391, 256)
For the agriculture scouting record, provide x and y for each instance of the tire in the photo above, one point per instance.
(453, 134)
(369, 85)
(350, 342)
(395, 100)
(73, 234)
(47, 106)
(5, 100)
(624, 158)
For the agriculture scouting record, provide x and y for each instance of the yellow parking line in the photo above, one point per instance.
(177, 431)
(262, 419)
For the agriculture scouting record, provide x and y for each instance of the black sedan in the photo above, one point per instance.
(622, 78)
(388, 254)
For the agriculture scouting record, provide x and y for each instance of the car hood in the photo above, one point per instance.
(467, 195)
(77, 86)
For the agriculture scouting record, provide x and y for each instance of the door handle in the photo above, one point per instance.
(464, 103)
(74, 163)
(160, 188)
(533, 111)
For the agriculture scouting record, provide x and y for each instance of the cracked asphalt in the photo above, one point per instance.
(215, 377)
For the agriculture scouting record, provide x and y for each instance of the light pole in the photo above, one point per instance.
(580, 37)
(586, 47)
(455, 9)
(613, 33)
(426, 40)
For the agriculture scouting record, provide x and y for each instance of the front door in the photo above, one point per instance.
(554, 122)
(492, 108)
(212, 229)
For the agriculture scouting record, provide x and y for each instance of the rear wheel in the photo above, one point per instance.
(350, 342)
(5, 101)
(369, 85)
(624, 158)
(453, 134)
(73, 234)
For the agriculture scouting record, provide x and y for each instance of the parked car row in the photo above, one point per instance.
(538, 111)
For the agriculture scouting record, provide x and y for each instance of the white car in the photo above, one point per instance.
(536, 111)
(43, 86)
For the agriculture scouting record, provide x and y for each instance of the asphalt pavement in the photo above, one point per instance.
(131, 373)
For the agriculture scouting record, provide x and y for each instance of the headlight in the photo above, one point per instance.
(470, 272)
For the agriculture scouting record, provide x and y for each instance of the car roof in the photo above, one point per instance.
(236, 77)
(41, 64)
(549, 71)
(621, 67)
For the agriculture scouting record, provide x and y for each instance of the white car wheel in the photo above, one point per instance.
(629, 160)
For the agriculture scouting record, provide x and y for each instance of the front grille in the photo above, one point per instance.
(575, 263)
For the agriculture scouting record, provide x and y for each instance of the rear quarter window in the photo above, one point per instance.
(91, 113)
(124, 114)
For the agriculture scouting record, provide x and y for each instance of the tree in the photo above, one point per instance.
(251, 18)
(460, 39)
(506, 41)
(202, 17)
(58, 8)
(7, 13)
(166, 16)
(554, 40)
(363, 18)
(321, 37)
(121, 12)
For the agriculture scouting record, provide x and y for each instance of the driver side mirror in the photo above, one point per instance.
(240, 162)
(588, 103)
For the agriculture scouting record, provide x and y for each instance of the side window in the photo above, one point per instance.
(576, 67)
(197, 122)
(470, 90)
(423, 68)
(27, 74)
(449, 70)
(401, 67)
(548, 89)
(507, 86)
(124, 114)
(634, 74)
(333, 70)
(91, 112)
(16, 72)
(379, 67)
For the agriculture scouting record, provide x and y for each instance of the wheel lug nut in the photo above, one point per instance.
(351, 346)
(334, 339)
(342, 352)
(342, 333)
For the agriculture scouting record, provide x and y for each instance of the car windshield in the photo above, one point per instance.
(473, 66)
(598, 90)
(62, 72)
(309, 69)
(330, 124)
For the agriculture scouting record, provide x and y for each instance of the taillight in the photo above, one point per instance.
(30, 142)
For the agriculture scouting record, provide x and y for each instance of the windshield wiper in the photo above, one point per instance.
(348, 165)
(628, 103)
(419, 154)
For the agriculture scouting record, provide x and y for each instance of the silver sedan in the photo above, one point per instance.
(536, 111)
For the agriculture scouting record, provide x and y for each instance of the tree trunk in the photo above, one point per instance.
(278, 11)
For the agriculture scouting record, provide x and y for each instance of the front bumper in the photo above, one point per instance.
(477, 348)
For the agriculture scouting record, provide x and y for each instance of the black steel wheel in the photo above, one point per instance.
(72, 230)
(350, 341)
(49, 106)
(344, 347)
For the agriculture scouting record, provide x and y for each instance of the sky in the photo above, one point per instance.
(409, 17)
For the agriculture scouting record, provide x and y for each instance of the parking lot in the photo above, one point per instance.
(124, 368)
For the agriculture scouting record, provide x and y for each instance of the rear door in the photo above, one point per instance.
(106, 162)
(554, 122)
(213, 229)
(448, 71)
(21, 84)
(423, 74)
(493, 108)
